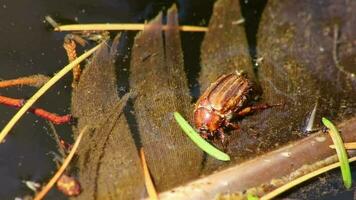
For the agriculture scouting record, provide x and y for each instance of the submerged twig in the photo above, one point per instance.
(60, 171)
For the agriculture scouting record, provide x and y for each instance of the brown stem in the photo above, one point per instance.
(54, 118)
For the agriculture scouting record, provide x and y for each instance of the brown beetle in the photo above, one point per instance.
(224, 100)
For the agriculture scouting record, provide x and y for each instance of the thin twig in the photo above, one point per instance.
(60, 171)
(120, 27)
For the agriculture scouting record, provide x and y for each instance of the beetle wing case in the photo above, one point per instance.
(228, 93)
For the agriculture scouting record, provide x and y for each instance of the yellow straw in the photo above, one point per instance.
(299, 180)
(42, 90)
(120, 27)
(349, 146)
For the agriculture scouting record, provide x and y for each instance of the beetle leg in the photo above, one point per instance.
(254, 108)
(221, 136)
(233, 126)
(204, 135)
(224, 142)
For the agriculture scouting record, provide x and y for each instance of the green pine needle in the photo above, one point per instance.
(251, 197)
(340, 151)
(199, 141)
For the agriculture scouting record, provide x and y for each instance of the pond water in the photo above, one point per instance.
(28, 46)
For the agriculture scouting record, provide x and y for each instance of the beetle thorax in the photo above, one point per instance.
(207, 120)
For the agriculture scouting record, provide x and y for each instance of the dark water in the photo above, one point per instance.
(28, 46)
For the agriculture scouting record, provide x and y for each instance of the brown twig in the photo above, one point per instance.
(54, 118)
(35, 81)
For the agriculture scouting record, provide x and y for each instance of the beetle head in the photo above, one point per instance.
(207, 121)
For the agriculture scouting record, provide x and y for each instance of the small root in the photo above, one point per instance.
(54, 118)
(34, 81)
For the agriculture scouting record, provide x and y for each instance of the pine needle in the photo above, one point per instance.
(60, 171)
(302, 179)
(121, 27)
(348, 146)
(42, 90)
(152, 193)
(199, 141)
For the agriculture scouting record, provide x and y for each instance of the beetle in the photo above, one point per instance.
(223, 101)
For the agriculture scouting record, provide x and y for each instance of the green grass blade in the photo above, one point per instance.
(199, 141)
(251, 197)
(341, 152)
